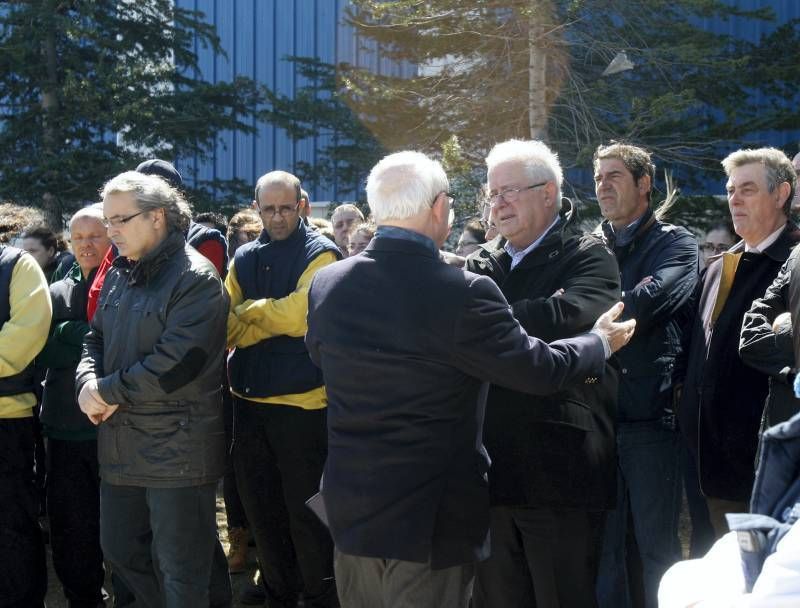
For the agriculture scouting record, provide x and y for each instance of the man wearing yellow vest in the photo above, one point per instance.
(723, 398)
(280, 440)
(25, 313)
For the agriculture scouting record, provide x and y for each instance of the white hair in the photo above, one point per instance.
(403, 185)
(94, 212)
(540, 162)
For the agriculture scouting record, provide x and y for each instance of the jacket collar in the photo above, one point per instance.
(648, 219)
(401, 245)
(780, 249)
(549, 249)
(146, 268)
(297, 234)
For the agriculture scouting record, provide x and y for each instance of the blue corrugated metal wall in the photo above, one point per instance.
(752, 30)
(258, 34)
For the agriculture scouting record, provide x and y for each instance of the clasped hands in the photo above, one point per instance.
(93, 405)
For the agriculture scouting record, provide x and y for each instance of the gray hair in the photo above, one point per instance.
(94, 212)
(540, 162)
(150, 193)
(344, 207)
(281, 179)
(403, 185)
(777, 168)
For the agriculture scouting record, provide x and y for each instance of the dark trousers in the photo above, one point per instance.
(371, 582)
(540, 557)
(73, 506)
(160, 542)
(23, 570)
(702, 531)
(234, 509)
(279, 452)
(649, 494)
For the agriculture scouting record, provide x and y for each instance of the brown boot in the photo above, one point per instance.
(237, 554)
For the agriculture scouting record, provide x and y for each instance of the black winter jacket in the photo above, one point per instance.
(771, 352)
(663, 309)
(156, 348)
(560, 450)
(723, 399)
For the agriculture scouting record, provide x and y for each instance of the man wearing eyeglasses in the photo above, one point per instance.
(149, 377)
(280, 440)
(405, 487)
(553, 457)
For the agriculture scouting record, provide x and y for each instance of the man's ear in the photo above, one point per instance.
(551, 194)
(645, 184)
(254, 205)
(783, 192)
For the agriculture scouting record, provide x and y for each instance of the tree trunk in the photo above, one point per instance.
(51, 204)
(538, 47)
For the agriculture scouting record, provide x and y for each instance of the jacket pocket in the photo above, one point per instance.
(155, 443)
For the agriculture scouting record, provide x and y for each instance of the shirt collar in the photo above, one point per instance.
(395, 232)
(763, 245)
(517, 255)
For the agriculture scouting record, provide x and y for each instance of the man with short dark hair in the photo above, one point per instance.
(723, 398)
(658, 265)
(150, 378)
(279, 396)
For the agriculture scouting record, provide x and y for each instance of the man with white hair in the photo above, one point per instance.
(404, 487)
(73, 478)
(150, 378)
(553, 457)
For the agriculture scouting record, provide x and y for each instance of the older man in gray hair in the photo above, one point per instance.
(723, 399)
(149, 378)
(405, 480)
(553, 458)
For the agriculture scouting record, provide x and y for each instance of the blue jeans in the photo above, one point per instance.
(160, 542)
(649, 491)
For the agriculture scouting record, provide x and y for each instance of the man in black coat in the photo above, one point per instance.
(404, 485)
(723, 399)
(150, 378)
(553, 458)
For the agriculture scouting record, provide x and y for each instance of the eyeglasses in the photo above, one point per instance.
(509, 195)
(119, 222)
(282, 210)
(451, 202)
(715, 248)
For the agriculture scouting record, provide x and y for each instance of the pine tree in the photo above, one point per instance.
(90, 87)
(575, 73)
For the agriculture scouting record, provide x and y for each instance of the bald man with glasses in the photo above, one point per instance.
(280, 402)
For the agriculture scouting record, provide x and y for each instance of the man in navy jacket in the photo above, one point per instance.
(404, 485)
